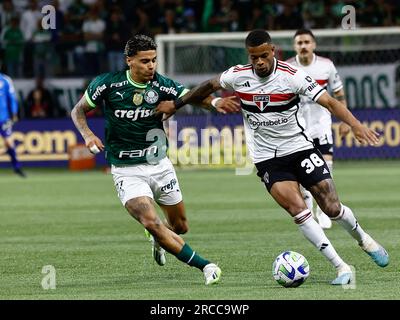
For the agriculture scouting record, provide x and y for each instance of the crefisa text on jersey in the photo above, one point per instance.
(168, 90)
(134, 114)
(98, 90)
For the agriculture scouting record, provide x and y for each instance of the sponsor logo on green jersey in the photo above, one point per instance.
(134, 114)
(98, 91)
(138, 153)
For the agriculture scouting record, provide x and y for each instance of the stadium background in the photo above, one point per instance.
(89, 36)
(75, 222)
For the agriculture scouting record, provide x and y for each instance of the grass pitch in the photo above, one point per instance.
(75, 222)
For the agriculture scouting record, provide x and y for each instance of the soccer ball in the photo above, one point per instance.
(290, 269)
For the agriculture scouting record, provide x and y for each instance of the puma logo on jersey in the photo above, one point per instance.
(120, 94)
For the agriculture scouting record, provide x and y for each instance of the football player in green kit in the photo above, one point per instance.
(136, 148)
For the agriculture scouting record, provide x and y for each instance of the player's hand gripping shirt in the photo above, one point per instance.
(133, 133)
(270, 108)
(318, 119)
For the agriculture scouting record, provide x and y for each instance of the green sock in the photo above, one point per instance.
(187, 255)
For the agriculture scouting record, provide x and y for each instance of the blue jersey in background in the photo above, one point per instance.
(8, 102)
(8, 105)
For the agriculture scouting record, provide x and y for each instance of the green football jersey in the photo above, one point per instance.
(133, 134)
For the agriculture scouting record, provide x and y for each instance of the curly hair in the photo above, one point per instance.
(139, 42)
(257, 37)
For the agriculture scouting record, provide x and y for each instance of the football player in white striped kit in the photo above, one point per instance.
(283, 153)
(318, 119)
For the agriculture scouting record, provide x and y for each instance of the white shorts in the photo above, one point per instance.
(158, 182)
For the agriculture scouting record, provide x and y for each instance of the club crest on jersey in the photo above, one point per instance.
(261, 101)
(151, 96)
(137, 99)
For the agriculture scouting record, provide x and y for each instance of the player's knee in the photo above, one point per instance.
(153, 225)
(294, 208)
(138, 207)
(332, 209)
(181, 227)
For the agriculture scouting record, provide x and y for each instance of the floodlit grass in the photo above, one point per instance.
(75, 222)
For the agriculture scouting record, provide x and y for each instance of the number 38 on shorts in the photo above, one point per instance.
(307, 167)
(312, 168)
(312, 162)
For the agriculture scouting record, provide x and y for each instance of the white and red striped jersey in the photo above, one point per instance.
(318, 119)
(270, 108)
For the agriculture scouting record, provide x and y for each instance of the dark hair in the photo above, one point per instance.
(304, 31)
(139, 42)
(257, 37)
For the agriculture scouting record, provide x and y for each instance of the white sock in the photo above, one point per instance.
(308, 198)
(318, 211)
(314, 233)
(347, 220)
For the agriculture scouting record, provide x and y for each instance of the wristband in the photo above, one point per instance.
(179, 103)
(214, 102)
(94, 149)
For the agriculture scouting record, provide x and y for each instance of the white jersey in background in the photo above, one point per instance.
(318, 119)
(270, 108)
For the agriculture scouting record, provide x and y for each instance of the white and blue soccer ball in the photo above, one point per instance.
(290, 269)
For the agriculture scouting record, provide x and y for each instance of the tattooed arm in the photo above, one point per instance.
(197, 95)
(78, 115)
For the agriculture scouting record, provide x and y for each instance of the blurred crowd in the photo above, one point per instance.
(90, 34)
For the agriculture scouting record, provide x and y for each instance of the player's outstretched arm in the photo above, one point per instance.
(200, 92)
(78, 115)
(222, 105)
(344, 128)
(197, 95)
(362, 133)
